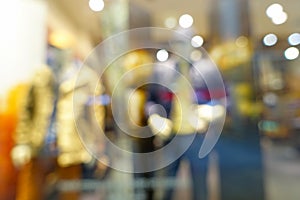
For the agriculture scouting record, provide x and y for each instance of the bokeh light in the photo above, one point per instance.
(291, 53)
(186, 21)
(276, 13)
(274, 10)
(270, 39)
(197, 41)
(162, 55)
(294, 39)
(280, 18)
(96, 5)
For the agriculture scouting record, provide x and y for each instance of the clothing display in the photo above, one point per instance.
(34, 118)
(74, 94)
(29, 137)
(42, 104)
(71, 149)
(149, 100)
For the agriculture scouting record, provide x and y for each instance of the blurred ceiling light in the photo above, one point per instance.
(186, 21)
(294, 39)
(162, 55)
(96, 5)
(276, 14)
(197, 41)
(170, 22)
(291, 53)
(242, 41)
(280, 18)
(270, 39)
(274, 10)
(196, 55)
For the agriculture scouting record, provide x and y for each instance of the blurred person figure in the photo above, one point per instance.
(188, 111)
(138, 66)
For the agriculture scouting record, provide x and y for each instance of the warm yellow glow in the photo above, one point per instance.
(242, 41)
(61, 39)
(21, 155)
(138, 65)
(137, 99)
(228, 55)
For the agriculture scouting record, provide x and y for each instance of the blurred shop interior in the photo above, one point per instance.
(45, 43)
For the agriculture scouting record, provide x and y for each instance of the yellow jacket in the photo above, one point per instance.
(36, 111)
(73, 138)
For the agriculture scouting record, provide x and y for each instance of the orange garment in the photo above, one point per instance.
(8, 120)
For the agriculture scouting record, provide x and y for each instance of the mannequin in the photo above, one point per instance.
(88, 99)
(32, 127)
(74, 93)
(46, 136)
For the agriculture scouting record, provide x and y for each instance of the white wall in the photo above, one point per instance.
(22, 40)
